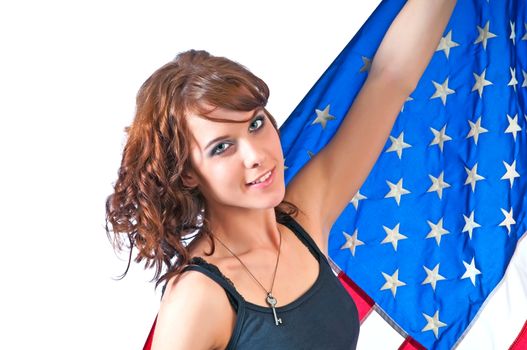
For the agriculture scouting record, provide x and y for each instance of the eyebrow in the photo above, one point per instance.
(258, 110)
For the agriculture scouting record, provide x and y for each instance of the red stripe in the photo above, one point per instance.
(362, 300)
(365, 306)
(148, 343)
(521, 340)
(411, 344)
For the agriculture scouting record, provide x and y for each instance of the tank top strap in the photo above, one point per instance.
(304, 237)
(212, 271)
(235, 299)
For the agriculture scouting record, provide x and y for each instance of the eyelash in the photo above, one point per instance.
(214, 151)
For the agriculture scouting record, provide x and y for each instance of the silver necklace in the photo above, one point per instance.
(270, 299)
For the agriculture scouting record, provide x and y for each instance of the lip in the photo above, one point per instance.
(266, 182)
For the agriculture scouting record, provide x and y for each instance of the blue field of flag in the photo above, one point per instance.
(434, 226)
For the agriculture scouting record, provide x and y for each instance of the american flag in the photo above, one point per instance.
(427, 241)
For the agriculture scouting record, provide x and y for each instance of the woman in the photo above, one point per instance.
(203, 157)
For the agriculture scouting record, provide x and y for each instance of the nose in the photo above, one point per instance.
(253, 154)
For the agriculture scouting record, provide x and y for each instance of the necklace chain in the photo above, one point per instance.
(275, 268)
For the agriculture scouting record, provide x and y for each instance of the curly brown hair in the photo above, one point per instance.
(151, 209)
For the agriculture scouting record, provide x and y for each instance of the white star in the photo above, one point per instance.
(524, 37)
(446, 44)
(393, 236)
(524, 84)
(409, 98)
(437, 231)
(285, 166)
(471, 271)
(513, 126)
(433, 324)
(432, 276)
(392, 282)
(475, 130)
(470, 224)
(398, 144)
(356, 198)
(442, 91)
(511, 172)
(366, 64)
(480, 82)
(440, 137)
(473, 177)
(508, 221)
(396, 190)
(323, 117)
(352, 242)
(513, 32)
(438, 184)
(484, 35)
(513, 82)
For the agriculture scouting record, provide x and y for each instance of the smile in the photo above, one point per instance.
(264, 180)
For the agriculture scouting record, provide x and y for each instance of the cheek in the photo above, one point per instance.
(277, 145)
(221, 173)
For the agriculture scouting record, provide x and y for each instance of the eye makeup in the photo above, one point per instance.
(217, 151)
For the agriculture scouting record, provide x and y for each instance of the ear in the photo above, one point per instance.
(189, 179)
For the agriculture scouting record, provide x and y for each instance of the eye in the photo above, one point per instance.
(260, 121)
(218, 149)
(255, 125)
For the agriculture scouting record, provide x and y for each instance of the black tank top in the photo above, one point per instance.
(324, 317)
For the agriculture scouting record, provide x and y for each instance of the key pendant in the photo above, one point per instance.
(272, 302)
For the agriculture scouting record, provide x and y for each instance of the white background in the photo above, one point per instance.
(69, 72)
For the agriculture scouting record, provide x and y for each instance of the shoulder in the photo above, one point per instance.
(194, 313)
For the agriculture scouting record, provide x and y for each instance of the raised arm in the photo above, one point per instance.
(325, 186)
(411, 40)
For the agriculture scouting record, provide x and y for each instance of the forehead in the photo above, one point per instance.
(221, 115)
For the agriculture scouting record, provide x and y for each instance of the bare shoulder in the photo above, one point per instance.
(194, 314)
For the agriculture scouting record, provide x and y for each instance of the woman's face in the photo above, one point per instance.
(228, 156)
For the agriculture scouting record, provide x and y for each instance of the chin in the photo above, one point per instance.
(279, 197)
(269, 200)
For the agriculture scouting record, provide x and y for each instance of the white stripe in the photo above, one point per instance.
(376, 333)
(503, 316)
(496, 326)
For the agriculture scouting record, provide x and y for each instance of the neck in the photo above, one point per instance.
(244, 230)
